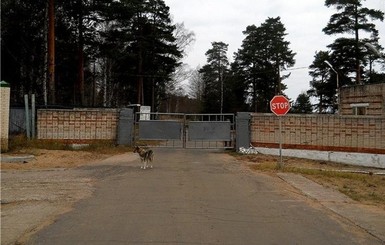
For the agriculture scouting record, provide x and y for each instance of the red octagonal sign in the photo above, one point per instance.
(280, 105)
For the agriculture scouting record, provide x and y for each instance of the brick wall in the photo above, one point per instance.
(4, 115)
(373, 95)
(320, 132)
(78, 124)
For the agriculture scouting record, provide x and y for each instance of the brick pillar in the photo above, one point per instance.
(4, 112)
(125, 127)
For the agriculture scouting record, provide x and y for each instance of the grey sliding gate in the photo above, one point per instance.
(185, 130)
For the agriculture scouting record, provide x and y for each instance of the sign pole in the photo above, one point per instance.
(280, 163)
(280, 105)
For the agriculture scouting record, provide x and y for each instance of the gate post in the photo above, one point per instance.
(242, 130)
(125, 127)
(5, 91)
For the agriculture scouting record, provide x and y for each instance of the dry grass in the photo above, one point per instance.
(56, 154)
(20, 143)
(364, 188)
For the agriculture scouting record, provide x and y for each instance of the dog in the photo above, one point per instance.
(146, 156)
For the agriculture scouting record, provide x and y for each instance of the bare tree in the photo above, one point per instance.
(184, 40)
(196, 85)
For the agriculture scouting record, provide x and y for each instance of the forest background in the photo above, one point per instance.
(105, 53)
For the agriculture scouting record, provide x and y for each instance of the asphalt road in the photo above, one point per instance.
(196, 197)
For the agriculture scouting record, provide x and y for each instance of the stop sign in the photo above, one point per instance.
(279, 105)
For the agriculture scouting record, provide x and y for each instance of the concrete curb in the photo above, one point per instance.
(16, 159)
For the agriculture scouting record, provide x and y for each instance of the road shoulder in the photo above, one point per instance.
(369, 218)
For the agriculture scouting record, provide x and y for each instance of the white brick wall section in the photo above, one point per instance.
(5, 97)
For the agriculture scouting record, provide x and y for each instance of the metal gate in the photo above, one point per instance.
(185, 130)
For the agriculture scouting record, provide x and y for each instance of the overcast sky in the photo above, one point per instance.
(225, 20)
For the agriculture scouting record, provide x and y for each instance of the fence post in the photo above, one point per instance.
(243, 130)
(27, 117)
(125, 127)
(33, 116)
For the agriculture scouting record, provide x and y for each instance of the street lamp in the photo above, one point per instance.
(374, 49)
(338, 83)
(331, 67)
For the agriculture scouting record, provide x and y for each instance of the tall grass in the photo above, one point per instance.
(365, 188)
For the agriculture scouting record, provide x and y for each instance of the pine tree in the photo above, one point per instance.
(116, 51)
(214, 73)
(302, 104)
(323, 85)
(23, 48)
(264, 53)
(353, 18)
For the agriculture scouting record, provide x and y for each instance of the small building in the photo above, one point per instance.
(365, 100)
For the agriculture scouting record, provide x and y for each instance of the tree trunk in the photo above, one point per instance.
(140, 72)
(80, 86)
(358, 70)
(51, 52)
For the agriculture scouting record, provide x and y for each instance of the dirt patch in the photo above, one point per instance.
(36, 191)
(45, 159)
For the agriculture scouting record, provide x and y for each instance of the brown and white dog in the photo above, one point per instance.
(146, 156)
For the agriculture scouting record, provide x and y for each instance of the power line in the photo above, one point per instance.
(297, 68)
